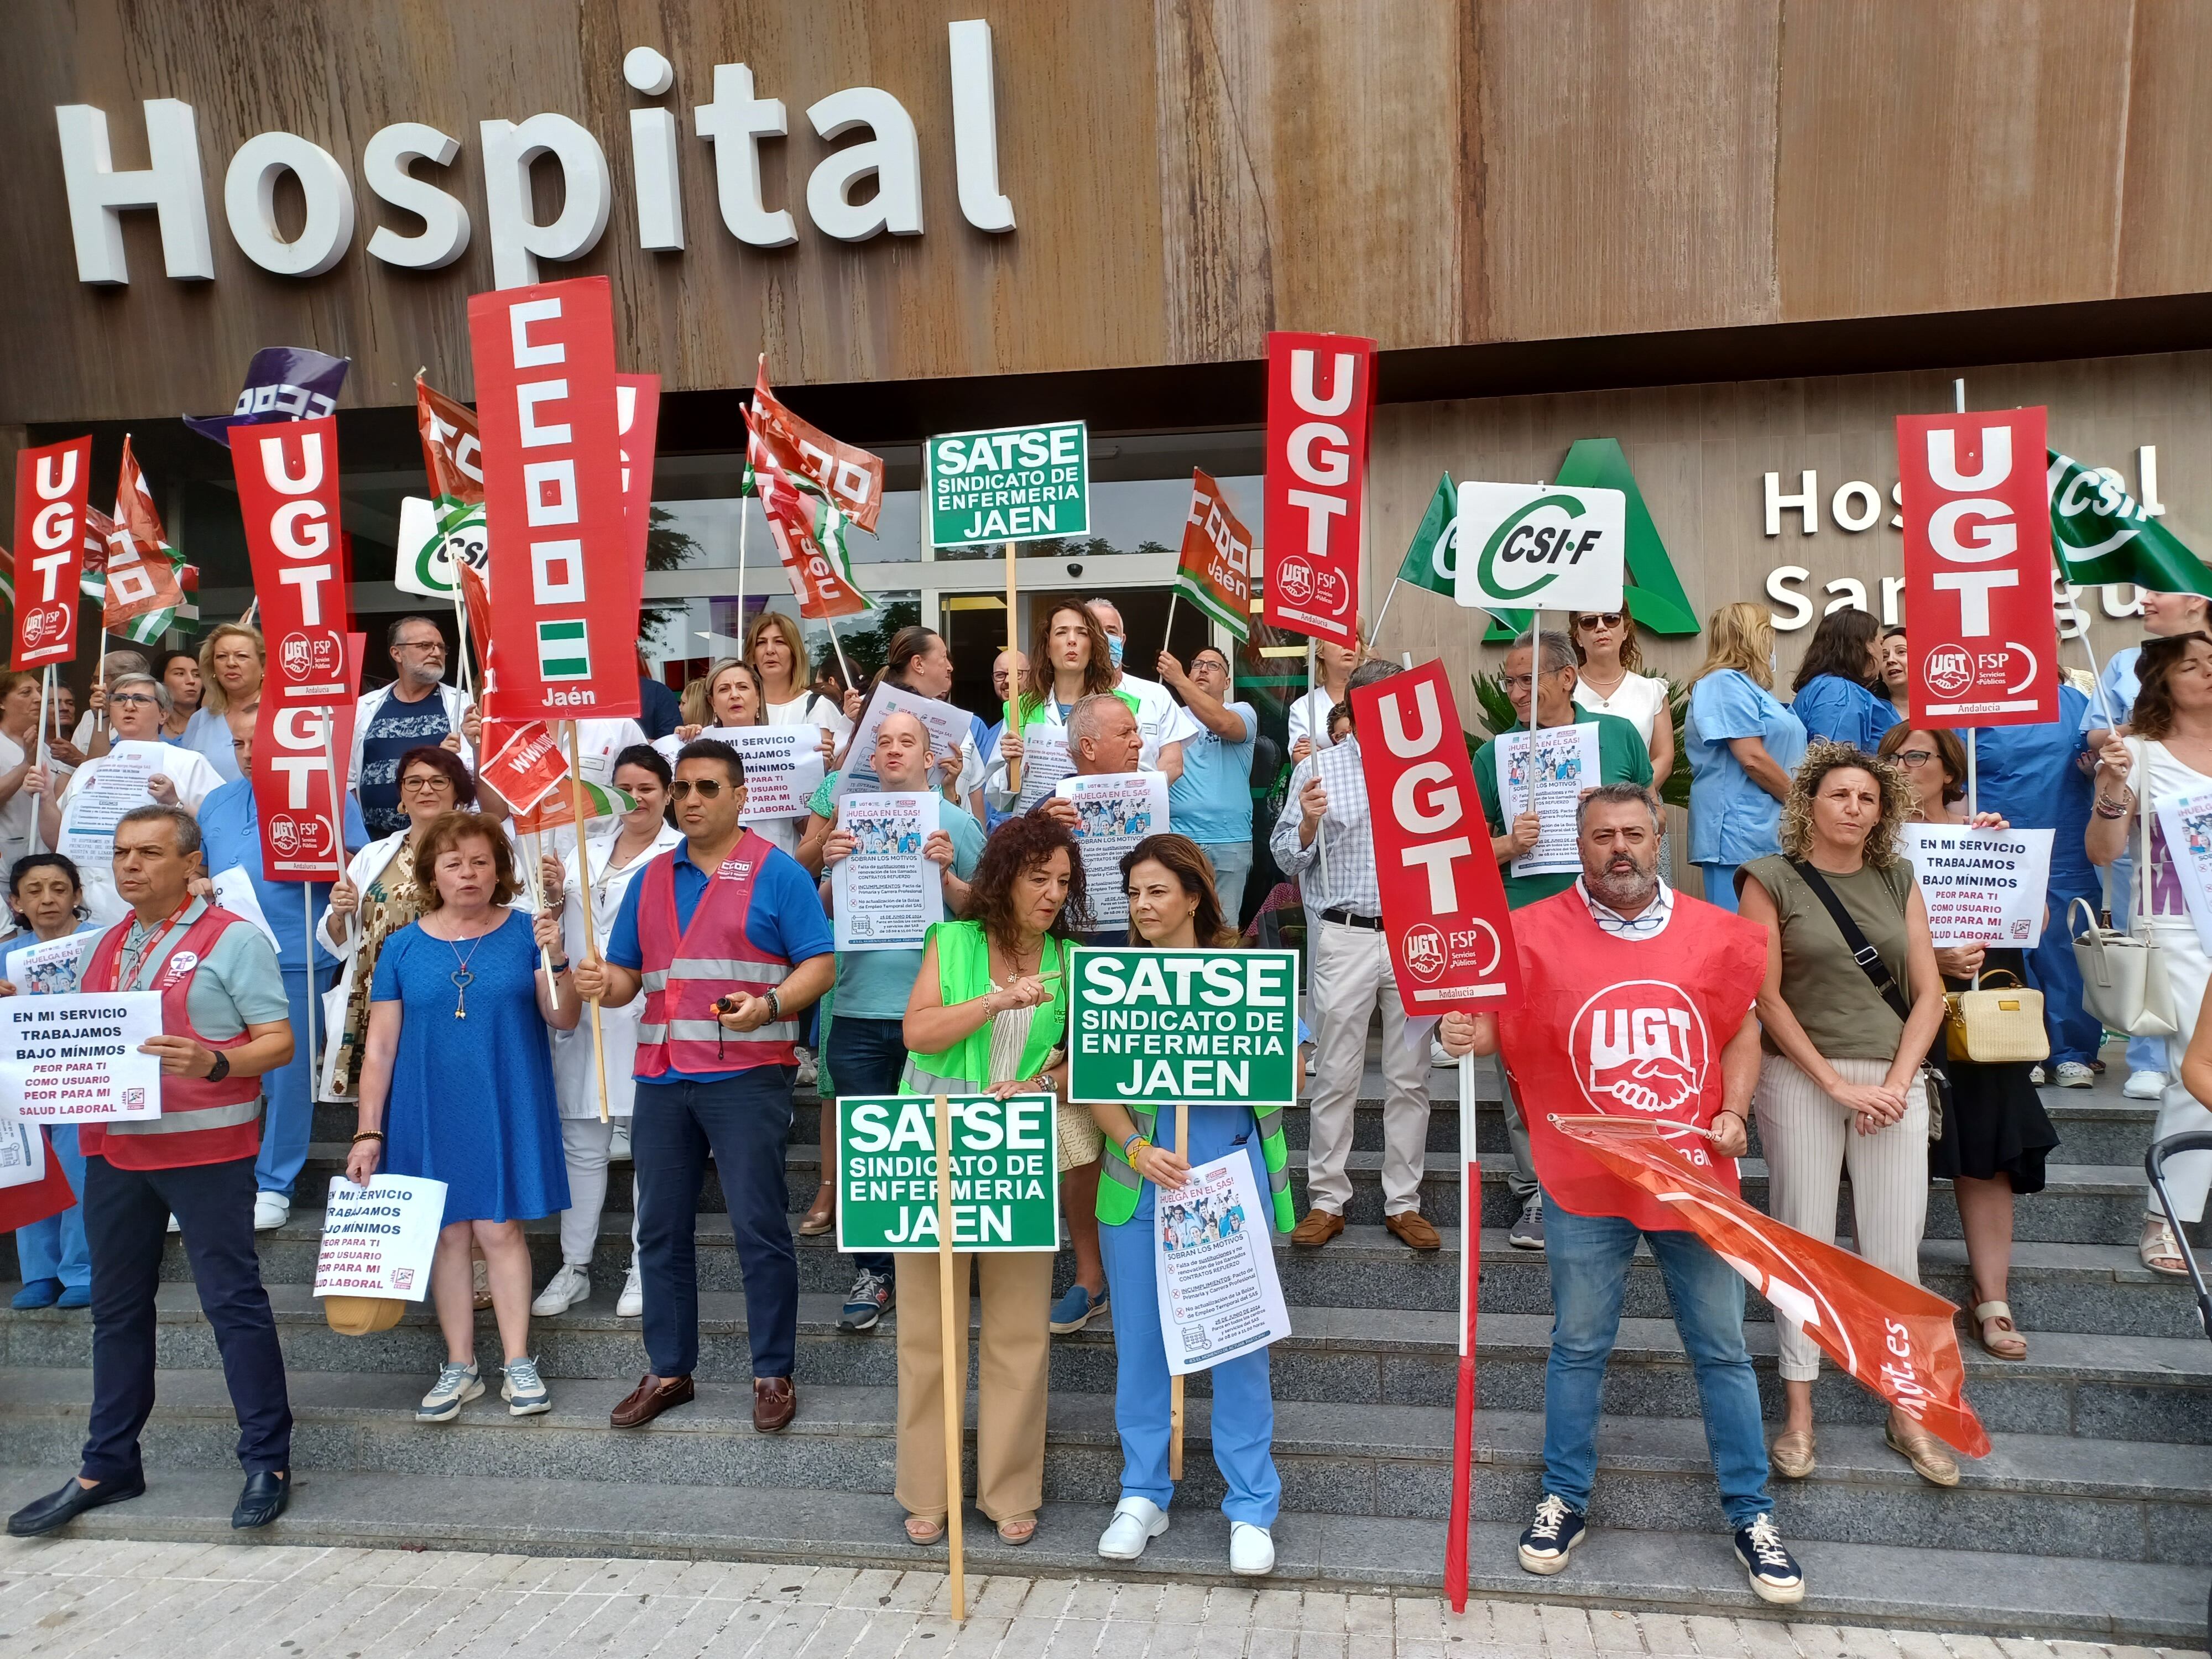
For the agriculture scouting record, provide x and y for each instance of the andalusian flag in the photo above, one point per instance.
(2101, 534)
(601, 800)
(138, 577)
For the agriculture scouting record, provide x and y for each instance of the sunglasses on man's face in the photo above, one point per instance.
(707, 788)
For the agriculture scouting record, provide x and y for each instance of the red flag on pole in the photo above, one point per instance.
(820, 587)
(850, 476)
(139, 578)
(526, 763)
(50, 518)
(637, 414)
(1320, 388)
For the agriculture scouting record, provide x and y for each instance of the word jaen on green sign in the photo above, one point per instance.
(1152, 1028)
(1012, 483)
(1005, 1173)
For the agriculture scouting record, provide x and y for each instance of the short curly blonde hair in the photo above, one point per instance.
(1823, 756)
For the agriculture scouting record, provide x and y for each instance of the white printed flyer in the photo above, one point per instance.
(1114, 811)
(75, 1059)
(1565, 763)
(378, 1239)
(886, 894)
(1981, 886)
(1219, 1294)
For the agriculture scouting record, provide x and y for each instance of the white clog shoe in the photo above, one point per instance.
(1136, 1522)
(1251, 1550)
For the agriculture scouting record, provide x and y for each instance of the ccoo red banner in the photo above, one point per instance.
(553, 500)
(1443, 903)
(51, 485)
(1978, 568)
(299, 749)
(1895, 1338)
(288, 494)
(1321, 392)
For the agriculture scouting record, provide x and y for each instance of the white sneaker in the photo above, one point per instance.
(1251, 1550)
(2073, 1075)
(2035, 1076)
(270, 1212)
(619, 1142)
(562, 1292)
(630, 1304)
(1136, 1522)
(175, 1226)
(2144, 1085)
(1313, 1060)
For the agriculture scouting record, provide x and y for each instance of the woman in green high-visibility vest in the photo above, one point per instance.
(1173, 905)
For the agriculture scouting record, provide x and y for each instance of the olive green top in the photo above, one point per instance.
(1824, 985)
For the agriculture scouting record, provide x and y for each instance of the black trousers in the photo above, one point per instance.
(125, 1213)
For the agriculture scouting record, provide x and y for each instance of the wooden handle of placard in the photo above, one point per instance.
(590, 934)
(1013, 687)
(1174, 1383)
(955, 1375)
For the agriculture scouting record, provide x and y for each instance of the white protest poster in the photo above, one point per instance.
(1565, 763)
(112, 786)
(233, 892)
(783, 766)
(949, 728)
(1982, 886)
(886, 894)
(1219, 1296)
(22, 1152)
(1045, 762)
(378, 1239)
(2186, 827)
(75, 1059)
(1114, 811)
(49, 969)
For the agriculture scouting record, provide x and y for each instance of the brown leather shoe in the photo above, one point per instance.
(775, 1402)
(1411, 1228)
(648, 1400)
(1319, 1227)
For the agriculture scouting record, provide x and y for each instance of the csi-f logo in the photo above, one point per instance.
(1529, 551)
(1641, 1044)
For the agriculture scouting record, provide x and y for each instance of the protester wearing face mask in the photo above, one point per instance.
(1163, 721)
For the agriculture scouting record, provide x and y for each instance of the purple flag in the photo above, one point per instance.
(282, 383)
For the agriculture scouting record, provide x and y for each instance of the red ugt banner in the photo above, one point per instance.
(299, 770)
(51, 484)
(1321, 393)
(553, 500)
(1895, 1338)
(287, 492)
(1978, 568)
(1443, 902)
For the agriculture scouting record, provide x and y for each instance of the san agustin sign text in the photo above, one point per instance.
(735, 124)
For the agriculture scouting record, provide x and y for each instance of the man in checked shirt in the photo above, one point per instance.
(1323, 839)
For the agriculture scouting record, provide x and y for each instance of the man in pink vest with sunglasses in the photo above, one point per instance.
(726, 937)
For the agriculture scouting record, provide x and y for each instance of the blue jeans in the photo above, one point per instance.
(1590, 1258)
(1720, 886)
(867, 1056)
(745, 1121)
(1232, 868)
(55, 1248)
(290, 1117)
(2075, 1033)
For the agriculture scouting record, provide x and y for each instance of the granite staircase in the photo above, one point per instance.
(2091, 1519)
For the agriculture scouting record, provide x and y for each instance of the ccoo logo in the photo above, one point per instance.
(1641, 1044)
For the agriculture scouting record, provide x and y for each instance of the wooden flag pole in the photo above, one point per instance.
(1470, 1235)
(1013, 686)
(954, 1374)
(1174, 1383)
(1167, 638)
(591, 934)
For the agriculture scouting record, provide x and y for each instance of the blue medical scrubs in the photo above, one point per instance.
(230, 834)
(1244, 1405)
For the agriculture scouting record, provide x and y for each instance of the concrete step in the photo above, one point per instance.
(2110, 1500)
(2113, 1387)
(1688, 1573)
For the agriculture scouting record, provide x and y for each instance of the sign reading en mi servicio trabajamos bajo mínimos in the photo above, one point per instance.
(1154, 1027)
(1005, 1173)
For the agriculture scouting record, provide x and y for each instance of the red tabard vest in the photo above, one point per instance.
(686, 969)
(201, 1122)
(1627, 1029)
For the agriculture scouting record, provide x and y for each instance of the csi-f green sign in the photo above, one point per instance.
(1012, 483)
(1157, 1028)
(1005, 1173)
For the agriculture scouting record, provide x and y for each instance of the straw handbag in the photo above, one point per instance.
(1995, 1025)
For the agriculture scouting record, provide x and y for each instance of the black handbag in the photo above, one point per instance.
(1933, 1078)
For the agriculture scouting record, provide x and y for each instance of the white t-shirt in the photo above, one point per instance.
(2159, 778)
(17, 816)
(93, 850)
(1639, 699)
(809, 708)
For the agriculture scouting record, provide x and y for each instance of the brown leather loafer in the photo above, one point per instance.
(1411, 1228)
(648, 1400)
(775, 1402)
(1317, 1229)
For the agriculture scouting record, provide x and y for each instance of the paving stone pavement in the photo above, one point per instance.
(91, 1598)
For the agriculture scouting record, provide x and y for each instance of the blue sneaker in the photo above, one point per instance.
(74, 1296)
(1075, 1310)
(868, 1301)
(1775, 1575)
(1551, 1537)
(37, 1293)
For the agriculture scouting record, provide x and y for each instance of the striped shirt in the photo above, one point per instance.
(1345, 879)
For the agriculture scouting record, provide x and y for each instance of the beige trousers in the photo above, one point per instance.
(1352, 978)
(1017, 1290)
(1809, 1141)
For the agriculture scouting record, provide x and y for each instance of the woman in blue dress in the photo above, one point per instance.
(1743, 746)
(1839, 689)
(457, 1085)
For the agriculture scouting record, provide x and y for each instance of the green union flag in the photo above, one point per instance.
(2101, 534)
(564, 651)
(1428, 556)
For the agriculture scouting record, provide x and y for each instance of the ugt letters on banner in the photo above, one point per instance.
(51, 488)
(1320, 391)
(1443, 902)
(1978, 568)
(288, 494)
(553, 500)
(299, 784)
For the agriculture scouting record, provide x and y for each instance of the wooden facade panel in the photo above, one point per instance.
(2165, 228)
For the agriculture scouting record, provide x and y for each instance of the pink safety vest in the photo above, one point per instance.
(687, 968)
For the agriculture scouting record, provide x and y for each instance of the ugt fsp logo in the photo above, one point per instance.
(1641, 1044)
(1948, 670)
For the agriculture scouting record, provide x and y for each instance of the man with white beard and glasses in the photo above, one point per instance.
(1642, 996)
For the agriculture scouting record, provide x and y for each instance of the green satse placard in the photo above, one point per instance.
(1005, 1173)
(1153, 1028)
(1012, 484)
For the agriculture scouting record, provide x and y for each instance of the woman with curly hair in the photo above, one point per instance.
(988, 1013)
(1839, 1084)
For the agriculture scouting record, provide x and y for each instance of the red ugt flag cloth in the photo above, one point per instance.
(1895, 1338)
(1321, 392)
(849, 476)
(50, 518)
(815, 580)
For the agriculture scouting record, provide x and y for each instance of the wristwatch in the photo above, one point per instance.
(221, 1069)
